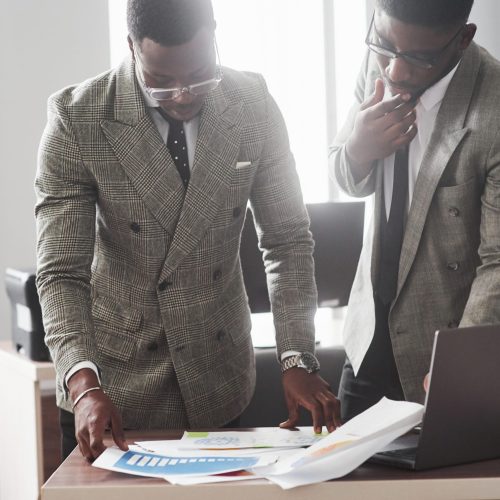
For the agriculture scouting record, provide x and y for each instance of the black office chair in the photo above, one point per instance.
(337, 228)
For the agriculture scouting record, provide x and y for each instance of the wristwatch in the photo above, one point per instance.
(304, 360)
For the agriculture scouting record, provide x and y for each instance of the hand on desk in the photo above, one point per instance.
(94, 413)
(313, 393)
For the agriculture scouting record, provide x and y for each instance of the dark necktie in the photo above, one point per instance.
(392, 230)
(176, 144)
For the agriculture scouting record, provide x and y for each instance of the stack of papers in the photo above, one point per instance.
(287, 458)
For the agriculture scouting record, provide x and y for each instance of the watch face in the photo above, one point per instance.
(309, 362)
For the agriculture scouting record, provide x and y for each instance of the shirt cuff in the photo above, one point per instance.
(80, 366)
(287, 354)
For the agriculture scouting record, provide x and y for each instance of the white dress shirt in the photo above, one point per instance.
(427, 109)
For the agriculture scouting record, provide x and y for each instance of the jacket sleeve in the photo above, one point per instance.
(65, 221)
(282, 225)
(483, 304)
(339, 167)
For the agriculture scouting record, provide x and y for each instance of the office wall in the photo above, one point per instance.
(486, 14)
(46, 45)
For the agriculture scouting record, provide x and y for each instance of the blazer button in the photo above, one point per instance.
(221, 334)
(236, 212)
(453, 212)
(135, 227)
(452, 324)
(217, 275)
(453, 266)
(164, 285)
(152, 346)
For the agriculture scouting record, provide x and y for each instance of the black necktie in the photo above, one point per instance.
(392, 230)
(176, 144)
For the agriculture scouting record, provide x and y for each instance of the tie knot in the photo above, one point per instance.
(174, 124)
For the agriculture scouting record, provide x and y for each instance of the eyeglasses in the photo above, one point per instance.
(170, 94)
(420, 61)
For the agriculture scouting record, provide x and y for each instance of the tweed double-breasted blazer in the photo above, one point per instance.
(449, 269)
(143, 277)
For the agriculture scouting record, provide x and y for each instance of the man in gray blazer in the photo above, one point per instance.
(424, 140)
(145, 173)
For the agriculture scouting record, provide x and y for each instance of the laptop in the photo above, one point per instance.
(462, 407)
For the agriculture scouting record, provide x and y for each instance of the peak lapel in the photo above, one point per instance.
(142, 153)
(448, 132)
(216, 154)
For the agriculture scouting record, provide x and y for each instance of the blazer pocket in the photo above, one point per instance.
(115, 325)
(461, 199)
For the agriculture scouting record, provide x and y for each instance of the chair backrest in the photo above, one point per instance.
(337, 228)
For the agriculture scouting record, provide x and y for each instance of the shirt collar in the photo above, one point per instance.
(435, 94)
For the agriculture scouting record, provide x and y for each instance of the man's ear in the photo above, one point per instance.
(469, 32)
(131, 46)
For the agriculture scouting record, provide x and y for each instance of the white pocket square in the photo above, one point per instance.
(243, 164)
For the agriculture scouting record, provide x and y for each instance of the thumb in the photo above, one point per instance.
(376, 97)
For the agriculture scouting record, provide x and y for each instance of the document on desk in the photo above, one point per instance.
(331, 457)
(347, 447)
(142, 463)
(231, 440)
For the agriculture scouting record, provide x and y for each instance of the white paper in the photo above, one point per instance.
(219, 478)
(234, 476)
(268, 438)
(331, 457)
(167, 448)
(347, 447)
(138, 462)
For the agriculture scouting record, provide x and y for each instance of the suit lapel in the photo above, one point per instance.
(448, 132)
(142, 153)
(216, 154)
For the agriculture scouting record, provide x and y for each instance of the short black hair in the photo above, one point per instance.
(430, 13)
(168, 22)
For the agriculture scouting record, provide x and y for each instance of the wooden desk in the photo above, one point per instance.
(29, 426)
(77, 480)
(22, 429)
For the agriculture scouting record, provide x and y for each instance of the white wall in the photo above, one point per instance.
(486, 14)
(46, 45)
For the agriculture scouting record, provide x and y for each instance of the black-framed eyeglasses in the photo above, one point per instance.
(420, 61)
(170, 94)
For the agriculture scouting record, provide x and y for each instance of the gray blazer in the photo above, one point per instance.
(144, 278)
(449, 271)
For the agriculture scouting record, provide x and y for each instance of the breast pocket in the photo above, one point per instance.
(456, 218)
(116, 326)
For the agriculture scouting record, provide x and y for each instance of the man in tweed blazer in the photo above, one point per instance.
(442, 93)
(139, 277)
